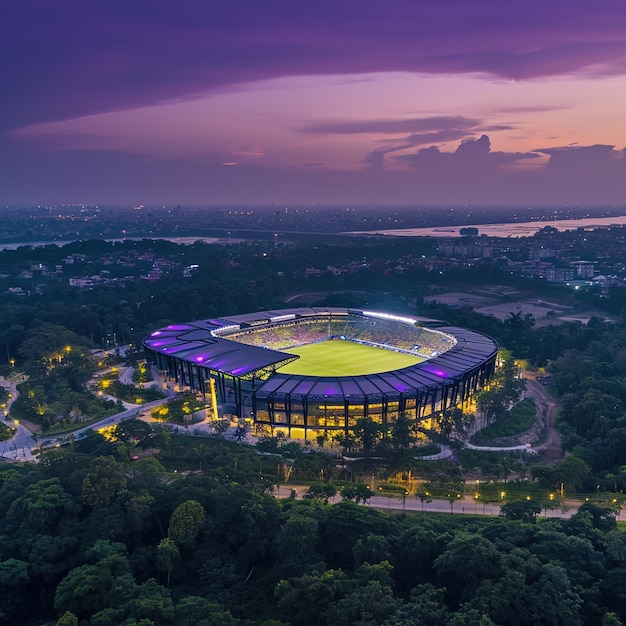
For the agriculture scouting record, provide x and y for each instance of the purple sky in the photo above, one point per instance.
(249, 102)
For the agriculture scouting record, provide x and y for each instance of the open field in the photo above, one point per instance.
(345, 358)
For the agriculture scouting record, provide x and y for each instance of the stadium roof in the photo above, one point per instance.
(199, 343)
(194, 343)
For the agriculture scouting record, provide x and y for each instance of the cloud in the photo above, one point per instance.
(587, 163)
(539, 108)
(472, 173)
(68, 58)
(412, 125)
(441, 130)
(472, 157)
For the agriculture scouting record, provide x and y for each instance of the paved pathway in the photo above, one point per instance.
(19, 447)
(445, 452)
(464, 506)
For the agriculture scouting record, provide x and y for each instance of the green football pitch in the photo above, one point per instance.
(345, 358)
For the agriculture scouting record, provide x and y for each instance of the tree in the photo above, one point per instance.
(139, 508)
(297, 542)
(572, 471)
(104, 480)
(525, 510)
(49, 339)
(302, 600)
(466, 563)
(89, 588)
(201, 452)
(366, 432)
(426, 606)
(67, 619)
(526, 593)
(372, 549)
(13, 573)
(198, 611)
(167, 555)
(402, 432)
(134, 433)
(357, 492)
(321, 491)
(43, 506)
(186, 522)
(603, 517)
(152, 603)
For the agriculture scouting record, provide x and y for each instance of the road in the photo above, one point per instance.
(120, 417)
(19, 447)
(545, 402)
(466, 505)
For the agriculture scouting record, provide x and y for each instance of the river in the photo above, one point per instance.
(513, 229)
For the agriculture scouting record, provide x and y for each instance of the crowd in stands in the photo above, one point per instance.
(283, 336)
(378, 332)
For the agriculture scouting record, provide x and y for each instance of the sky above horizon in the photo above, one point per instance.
(331, 102)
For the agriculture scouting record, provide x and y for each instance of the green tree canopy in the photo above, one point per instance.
(186, 523)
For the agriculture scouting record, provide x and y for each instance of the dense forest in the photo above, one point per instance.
(90, 537)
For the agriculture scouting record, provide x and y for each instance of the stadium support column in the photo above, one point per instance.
(238, 396)
(213, 397)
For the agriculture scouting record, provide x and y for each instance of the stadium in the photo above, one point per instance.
(308, 372)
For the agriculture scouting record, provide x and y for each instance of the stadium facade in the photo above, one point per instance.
(237, 360)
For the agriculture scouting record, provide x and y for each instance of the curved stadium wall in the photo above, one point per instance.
(247, 360)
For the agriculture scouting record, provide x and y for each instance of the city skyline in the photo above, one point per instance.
(278, 103)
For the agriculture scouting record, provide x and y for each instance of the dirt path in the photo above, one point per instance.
(551, 449)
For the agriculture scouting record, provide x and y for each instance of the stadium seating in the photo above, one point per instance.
(389, 334)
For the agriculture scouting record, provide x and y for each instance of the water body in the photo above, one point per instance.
(179, 240)
(515, 229)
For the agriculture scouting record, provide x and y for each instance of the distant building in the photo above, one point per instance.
(81, 282)
(559, 274)
(584, 269)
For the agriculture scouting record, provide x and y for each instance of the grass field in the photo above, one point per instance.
(345, 358)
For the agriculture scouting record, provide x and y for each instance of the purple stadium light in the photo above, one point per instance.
(436, 372)
(401, 388)
(332, 390)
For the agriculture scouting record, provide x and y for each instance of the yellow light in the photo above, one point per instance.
(108, 432)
